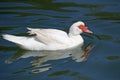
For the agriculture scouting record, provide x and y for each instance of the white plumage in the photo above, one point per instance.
(50, 39)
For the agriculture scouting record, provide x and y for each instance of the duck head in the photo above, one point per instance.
(78, 28)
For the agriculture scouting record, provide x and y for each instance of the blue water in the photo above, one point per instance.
(101, 16)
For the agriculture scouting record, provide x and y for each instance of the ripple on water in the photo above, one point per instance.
(113, 57)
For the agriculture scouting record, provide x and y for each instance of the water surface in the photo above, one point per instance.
(102, 17)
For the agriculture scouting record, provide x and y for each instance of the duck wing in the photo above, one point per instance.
(50, 36)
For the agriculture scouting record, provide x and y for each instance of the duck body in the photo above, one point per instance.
(49, 39)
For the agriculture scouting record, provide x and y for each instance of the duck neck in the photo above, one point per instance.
(73, 33)
(76, 39)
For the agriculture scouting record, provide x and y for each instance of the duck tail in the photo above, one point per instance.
(14, 39)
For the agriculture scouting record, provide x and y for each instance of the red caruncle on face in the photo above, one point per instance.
(82, 27)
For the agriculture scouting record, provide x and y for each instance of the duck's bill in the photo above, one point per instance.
(88, 31)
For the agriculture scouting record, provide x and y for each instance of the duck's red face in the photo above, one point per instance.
(84, 29)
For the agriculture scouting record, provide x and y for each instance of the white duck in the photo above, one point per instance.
(51, 39)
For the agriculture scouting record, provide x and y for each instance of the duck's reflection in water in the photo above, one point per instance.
(77, 54)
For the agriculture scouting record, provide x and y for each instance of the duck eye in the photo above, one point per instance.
(82, 27)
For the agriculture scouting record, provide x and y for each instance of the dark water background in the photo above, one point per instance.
(102, 17)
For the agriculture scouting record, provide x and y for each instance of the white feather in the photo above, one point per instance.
(49, 39)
